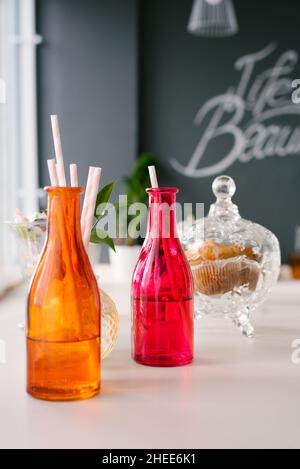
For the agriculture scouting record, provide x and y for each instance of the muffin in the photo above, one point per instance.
(218, 268)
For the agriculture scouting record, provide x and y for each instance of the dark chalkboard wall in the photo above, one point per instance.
(87, 74)
(99, 56)
(179, 73)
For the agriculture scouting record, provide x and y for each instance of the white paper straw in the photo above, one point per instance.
(74, 175)
(61, 174)
(58, 150)
(153, 177)
(91, 203)
(85, 202)
(52, 172)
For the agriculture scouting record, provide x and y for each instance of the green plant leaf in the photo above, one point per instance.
(136, 184)
(140, 169)
(103, 197)
(104, 239)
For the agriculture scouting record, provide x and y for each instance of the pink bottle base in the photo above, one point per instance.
(163, 362)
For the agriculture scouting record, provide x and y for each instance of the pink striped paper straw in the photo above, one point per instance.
(74, 175)
(91, 203)
(85, 202)
(52, 172)
(153, 176)
(61, 174)
(58, 151)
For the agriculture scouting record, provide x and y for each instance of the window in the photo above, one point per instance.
(18, 121)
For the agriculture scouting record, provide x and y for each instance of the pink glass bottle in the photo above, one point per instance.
(162, 291)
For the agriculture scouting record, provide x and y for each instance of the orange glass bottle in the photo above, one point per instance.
(64, 312)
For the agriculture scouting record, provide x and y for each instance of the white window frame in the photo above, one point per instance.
(18, 138)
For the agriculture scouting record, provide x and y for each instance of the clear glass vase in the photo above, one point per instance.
(30, 237)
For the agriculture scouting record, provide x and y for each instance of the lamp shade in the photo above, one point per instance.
(213, 18)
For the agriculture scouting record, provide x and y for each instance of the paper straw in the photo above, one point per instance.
(168, 257)
(153, 177)
(85, 202)
(61, 174)
(74, 175)
(52, 172)
(90, 207)
(58, 151)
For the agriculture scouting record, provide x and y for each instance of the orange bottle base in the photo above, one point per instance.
(63, 371)
(55, 395)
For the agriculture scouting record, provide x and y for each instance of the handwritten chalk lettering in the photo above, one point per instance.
(249, 116)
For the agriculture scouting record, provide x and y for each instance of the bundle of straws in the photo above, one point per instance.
(58, 179)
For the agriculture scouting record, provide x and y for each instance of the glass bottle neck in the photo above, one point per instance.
(64, 212)
(162, 214)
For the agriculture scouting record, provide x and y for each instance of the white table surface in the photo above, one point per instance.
(238, 393)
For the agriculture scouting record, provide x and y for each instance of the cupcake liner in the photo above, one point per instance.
(219, 277)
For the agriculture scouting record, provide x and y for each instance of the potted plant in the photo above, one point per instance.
(127, 249)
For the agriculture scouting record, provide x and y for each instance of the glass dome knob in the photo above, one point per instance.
(224, 187)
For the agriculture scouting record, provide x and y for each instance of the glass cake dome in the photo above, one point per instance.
(234, 262)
